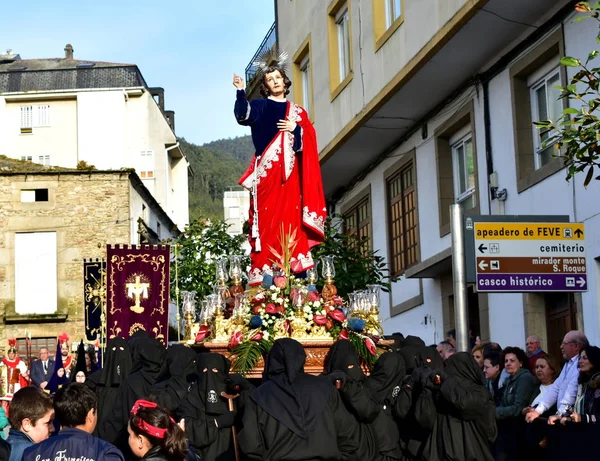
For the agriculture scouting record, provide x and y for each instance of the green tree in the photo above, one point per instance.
(576, 133)
(202, 242)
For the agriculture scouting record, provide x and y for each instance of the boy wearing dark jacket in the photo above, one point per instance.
(75, 407)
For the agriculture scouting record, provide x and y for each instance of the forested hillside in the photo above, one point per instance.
(217, 167)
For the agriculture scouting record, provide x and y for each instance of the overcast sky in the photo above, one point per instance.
(189, 47)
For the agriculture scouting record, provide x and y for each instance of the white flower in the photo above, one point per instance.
(317, 304)
(265, 335)
(274, 296)
(273, 288)
(270, 321)
(323, 312)
(307, 309)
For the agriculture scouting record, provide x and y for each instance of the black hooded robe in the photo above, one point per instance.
(294, 416)
(203, 405)
(149, 366)
(181, 362)
(465, 426)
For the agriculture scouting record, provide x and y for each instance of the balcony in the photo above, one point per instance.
(267, 47)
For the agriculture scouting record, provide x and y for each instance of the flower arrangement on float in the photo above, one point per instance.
(249, 321)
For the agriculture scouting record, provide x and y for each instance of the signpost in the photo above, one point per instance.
(530, 256)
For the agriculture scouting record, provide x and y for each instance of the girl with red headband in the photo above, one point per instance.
(154, 435)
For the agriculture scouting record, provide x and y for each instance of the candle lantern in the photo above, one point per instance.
(189, 312)
(235, 274)
(328, 272)
(221, 270)
(299, 323)
(374, 293)
(312, 274)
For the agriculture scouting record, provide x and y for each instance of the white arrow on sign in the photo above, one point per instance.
(483, 265)
(581, 282)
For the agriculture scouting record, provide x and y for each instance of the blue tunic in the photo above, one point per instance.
(262, 115)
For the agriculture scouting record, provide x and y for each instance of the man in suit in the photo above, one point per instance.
(42, 369)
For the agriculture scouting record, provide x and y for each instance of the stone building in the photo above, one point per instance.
(50, 221)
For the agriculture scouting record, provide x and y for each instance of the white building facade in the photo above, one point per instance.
(418, 105)
(61, 112)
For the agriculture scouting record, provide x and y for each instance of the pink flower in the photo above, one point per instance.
(314, 296)
(343, 334)
(271, 309)
(280, 281)
(257, 336)
(337, 315)
(203, 333)
(236, 339)
(339, 301)
(319, 319)
(371, 346)
(259, 298)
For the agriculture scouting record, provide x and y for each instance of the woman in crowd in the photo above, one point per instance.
(517, 394)
(587, 403)
(546, 372)
(465, 424)
(91, 363)
(153, 435)
(492, 370)
(477, 354)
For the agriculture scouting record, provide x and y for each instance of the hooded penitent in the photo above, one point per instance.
(386, 378)
(289, 395)
(343, 357)
(56, 381)
(79, 362)
(206, 395)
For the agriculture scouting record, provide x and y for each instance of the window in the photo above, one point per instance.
(147, 164)
(464, 172)
(339, 32)
(27, 158)
(456, 162)
(545, 105)
(343, 33)
(36, 280)
(34, 195)
(402, 216)
(393, 10)
(44, 160)
(357, 219)
(388, 15)
(534, 98)
(158, 229)
(302, 72)
(34, 116)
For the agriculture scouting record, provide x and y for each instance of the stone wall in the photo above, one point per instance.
(87, 211)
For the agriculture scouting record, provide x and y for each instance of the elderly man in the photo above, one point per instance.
(446, 350)
(533, 347)
(563, 391)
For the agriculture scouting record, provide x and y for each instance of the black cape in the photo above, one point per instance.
(204, 403)
(465, 425)
(149, 367)
(295, 416)
(181, 362)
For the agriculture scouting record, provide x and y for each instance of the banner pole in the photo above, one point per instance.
(177, 291)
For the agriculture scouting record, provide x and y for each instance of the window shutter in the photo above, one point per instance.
(26, 116)
(43, 115)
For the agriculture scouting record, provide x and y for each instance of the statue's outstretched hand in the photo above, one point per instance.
(238, 82)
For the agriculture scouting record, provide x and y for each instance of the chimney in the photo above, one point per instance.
(68, 51)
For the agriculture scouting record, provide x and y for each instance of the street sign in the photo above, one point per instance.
(530, 256)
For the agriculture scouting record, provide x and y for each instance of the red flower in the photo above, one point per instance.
(343, 334)
(203, 333)
(281, 309)
(255, 309)
(259, 298)
(280, 281)
(319, 319)
(257, 336)
(236, 339)
(329, 324)
(271, 309)
(314, 296)
(337, 315)
(339, 301)
(371, 346)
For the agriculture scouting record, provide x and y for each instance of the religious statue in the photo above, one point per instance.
(13, 371)
(284, 177)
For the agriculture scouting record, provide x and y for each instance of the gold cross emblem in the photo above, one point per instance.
(137, 291)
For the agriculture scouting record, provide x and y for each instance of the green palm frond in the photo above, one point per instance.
(247, 354)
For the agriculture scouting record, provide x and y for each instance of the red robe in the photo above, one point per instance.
(14, 364)
(288, 193)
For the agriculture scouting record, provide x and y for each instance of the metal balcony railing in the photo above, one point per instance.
(267, 44)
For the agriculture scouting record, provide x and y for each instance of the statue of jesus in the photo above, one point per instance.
(284, 177)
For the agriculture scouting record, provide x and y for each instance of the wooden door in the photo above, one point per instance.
(560, 319)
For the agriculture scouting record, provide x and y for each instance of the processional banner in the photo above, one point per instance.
(94, 295)
(138, 291)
